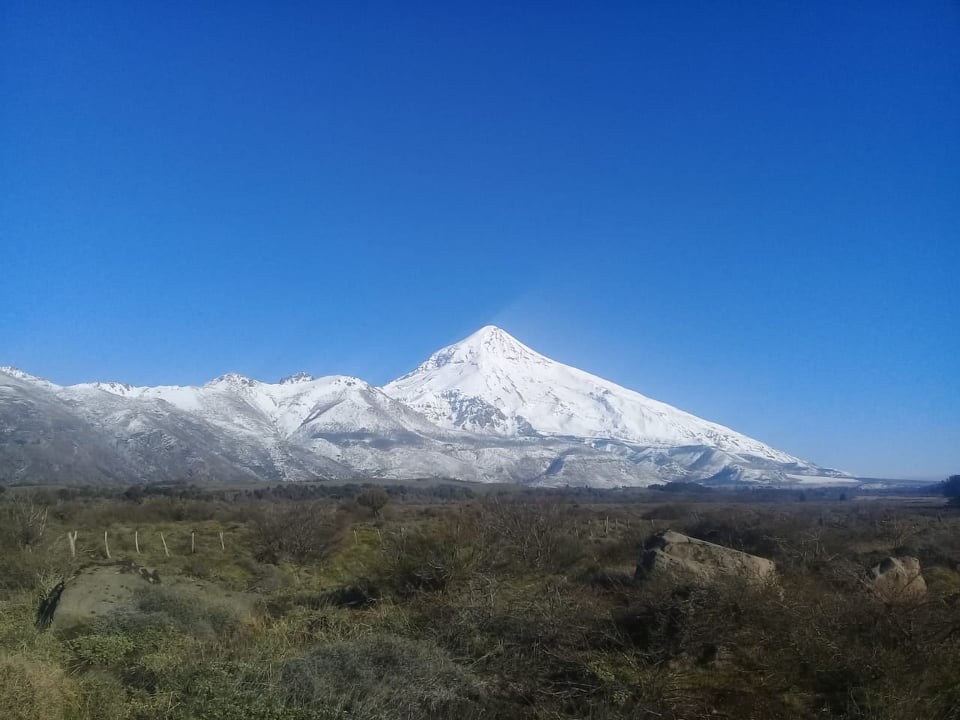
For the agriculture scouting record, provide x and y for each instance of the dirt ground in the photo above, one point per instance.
(98, 590)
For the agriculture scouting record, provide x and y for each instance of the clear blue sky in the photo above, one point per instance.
(748, 210)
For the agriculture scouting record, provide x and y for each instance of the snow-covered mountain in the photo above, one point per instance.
(487, 408)
(491, 383)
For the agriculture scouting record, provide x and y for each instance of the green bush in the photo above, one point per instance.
(101, 650)
(234, 689)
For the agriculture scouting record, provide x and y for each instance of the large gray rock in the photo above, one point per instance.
(897, 578)
(671, 554)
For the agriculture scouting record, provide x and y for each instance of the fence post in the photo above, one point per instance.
(106, 545)
(136, 540)
(165, 549)
(222, 546)
(193, 542)
(72, 537)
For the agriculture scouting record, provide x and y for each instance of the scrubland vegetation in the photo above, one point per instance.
(420, 602)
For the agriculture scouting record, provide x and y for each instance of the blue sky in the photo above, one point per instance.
(748, 210)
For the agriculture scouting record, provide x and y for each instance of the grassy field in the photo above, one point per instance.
(441, 600)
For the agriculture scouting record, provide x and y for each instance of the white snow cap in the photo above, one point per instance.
(490, 382)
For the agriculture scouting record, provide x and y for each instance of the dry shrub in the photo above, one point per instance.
(30, 691)
(753, 651)
(538, 534)
(377, 677)
(22, 522)
(375, 500)
(303, 532)
(264, 577)
(425, 559)
(103, 697)
(768, 532)
(19, 569)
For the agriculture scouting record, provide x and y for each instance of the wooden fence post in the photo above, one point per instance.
(222, 546)
(106, 545)
(165, 549)
(136, 540)
(72, 537)
(193, 542)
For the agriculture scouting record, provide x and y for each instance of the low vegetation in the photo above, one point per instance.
(446, 601)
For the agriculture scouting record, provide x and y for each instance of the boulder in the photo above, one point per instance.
(897, 578)
(671, 554)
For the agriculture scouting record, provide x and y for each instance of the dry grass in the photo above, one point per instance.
(513, 606)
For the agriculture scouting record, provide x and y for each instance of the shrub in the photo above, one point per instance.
(191, 613)
(304, 532)
(199, 566)
(536, 533)
(424, 559)
(101, 650)
(380, 676)
(103, 697)
(19, 569)
(30, 691)
(22, 522)
(237, 690)
(266, 578)
(375, 500)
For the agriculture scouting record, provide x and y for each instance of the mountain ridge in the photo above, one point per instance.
(486, 408)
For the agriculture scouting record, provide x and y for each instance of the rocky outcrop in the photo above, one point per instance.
(897, 578)
(671, 554)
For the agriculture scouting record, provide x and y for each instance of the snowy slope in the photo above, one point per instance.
(337, 403)
(54, 434)
(492, 383)
(487, 408)
(296, 422)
